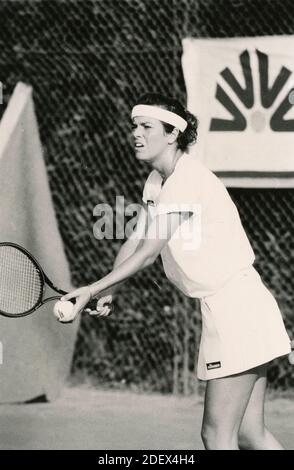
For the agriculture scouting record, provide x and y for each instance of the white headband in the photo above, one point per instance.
(160, 114)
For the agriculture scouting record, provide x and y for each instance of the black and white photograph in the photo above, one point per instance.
(147, 228)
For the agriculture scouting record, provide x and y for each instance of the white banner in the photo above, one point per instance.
(242, 91)
(37, 351)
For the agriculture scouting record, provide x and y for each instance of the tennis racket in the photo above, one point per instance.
(23, 283)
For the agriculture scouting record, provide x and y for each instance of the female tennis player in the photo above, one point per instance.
(242, 327)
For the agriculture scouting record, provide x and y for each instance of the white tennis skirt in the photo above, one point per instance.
(242, 327)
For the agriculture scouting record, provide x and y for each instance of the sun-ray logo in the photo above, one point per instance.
(268, 97)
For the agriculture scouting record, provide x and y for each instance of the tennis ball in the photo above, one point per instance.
(63, 311)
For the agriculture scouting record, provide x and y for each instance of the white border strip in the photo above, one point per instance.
(266, 182)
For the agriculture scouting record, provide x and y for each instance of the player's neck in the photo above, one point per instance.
(166, 165)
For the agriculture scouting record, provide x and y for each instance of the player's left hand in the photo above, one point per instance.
(82, 297)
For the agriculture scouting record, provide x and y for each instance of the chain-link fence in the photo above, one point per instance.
(88, 61)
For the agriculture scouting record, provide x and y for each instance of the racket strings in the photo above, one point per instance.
(20, 281)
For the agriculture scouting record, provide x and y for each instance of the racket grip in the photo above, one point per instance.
(93, 303)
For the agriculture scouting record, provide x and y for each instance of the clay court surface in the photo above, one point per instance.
(87, 418)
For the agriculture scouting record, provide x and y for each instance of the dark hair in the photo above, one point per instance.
(186, 138)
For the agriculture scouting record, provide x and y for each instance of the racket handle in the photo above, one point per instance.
(93, 303)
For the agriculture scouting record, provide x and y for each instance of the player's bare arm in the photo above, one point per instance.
(127, 249)
(159, 232)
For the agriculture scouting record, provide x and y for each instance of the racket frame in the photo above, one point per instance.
(44, 280)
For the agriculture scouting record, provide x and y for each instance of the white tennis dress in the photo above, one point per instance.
(209, 257)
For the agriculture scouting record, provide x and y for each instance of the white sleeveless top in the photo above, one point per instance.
(210, 247)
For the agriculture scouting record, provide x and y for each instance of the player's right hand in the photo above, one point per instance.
(104, 307)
